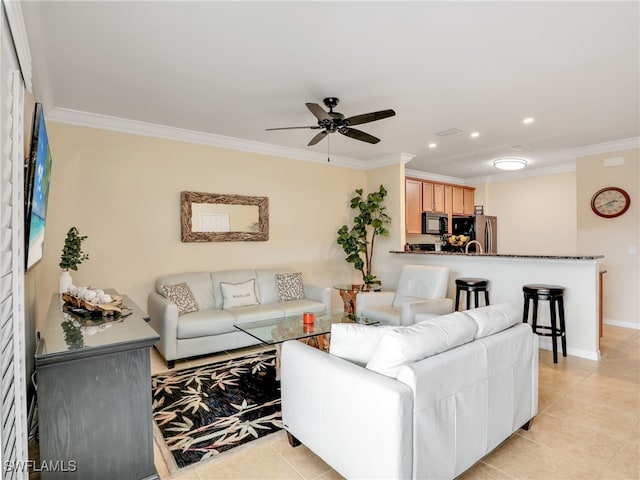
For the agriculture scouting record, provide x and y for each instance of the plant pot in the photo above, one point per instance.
(65, 281)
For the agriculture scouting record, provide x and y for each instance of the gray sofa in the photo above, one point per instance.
(211, 328)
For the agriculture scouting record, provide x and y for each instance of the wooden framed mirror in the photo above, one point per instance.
(214, 217)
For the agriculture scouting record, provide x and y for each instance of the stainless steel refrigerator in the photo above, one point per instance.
(482, 228)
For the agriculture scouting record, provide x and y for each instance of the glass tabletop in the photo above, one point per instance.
(375, 287)
(278, 330)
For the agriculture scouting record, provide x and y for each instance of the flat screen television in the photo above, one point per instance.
(37, 176)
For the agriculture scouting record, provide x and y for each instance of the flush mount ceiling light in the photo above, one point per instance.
(510, 163)
(528, 120)
(433, 145)
(474, 134)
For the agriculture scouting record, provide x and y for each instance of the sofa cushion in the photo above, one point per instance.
(199, 284)
(356, 343)
(181, 295)
(385, 314)
(415, 342)
(290, 286)
(238, 294)
(205, 323)
(253, 313)
(420, 282)
(298, 307)
(228, 276)
(494, 318)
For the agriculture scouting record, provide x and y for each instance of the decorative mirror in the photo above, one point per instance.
(213, 217)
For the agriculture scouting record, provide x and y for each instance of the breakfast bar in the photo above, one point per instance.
(508, 273)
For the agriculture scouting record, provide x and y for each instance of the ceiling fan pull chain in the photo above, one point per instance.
(328, 149)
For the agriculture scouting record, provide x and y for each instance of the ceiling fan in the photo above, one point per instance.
(331, 122)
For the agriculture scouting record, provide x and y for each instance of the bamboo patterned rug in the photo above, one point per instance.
(201, 412)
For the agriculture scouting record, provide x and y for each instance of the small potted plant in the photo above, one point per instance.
(72, 256)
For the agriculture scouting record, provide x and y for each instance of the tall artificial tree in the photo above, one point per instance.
(359, 240)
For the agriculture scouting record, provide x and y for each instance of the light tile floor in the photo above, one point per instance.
(587, 427)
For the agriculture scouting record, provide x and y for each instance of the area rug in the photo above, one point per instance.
(201, 412)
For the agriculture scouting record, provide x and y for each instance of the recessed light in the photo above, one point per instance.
(474, 134)
(528, 120)
(433, 145)
(510, 163)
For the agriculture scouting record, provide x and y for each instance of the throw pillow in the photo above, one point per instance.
(181, 295)
(356, 343)
(422, 340)
(290, 286)
(238, 294)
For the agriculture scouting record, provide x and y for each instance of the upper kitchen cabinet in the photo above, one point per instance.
(433, 197)
(413, 206)
(462, 201)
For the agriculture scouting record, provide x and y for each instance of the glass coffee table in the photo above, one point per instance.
(279, 330)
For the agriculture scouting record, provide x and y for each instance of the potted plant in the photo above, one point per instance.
(359, 240)
(72, 256)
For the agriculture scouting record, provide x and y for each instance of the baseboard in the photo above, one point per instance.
(621, 323)
(574, 352)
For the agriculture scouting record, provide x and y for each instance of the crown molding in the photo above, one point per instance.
(524, 173)
(434, 177)
(15, 19)
(606, 147)
(105, 122)
(391, 159)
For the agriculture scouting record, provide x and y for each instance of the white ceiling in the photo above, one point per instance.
(236, 68)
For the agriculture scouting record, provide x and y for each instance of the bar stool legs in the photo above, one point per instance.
(472, 285)
(555, 295)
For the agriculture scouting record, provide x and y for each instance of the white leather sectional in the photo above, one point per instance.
(425, 401)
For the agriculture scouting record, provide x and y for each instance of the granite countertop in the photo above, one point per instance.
(462, 254)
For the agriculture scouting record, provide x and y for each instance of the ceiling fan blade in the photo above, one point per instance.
(318, 111)
(292, 128)
(369, 117)
(317, 138)
(358, 135)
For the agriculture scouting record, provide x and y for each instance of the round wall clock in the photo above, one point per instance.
(610, 202)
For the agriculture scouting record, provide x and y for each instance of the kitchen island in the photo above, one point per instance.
(507, 273)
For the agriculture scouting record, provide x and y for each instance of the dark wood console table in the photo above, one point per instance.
(94, 395)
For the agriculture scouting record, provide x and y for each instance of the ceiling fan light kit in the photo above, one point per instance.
(331, 122)
(510, 163)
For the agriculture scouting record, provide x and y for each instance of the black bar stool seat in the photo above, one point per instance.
(555, 295)
(472, 285)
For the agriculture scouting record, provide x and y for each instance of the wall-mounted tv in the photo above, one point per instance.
(37, 176)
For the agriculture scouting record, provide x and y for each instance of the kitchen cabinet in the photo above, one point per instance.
(413, 206)
(436, 197)
(462, 203)
(467, 204)
(433, 197)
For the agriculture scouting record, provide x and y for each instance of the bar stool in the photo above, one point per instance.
(472, 285)
(555, 295)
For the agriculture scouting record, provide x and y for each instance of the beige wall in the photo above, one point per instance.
(616, 238)
(536, 215)
(392, 177)
(123, 192)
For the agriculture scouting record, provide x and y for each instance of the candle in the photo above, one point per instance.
(308, 318)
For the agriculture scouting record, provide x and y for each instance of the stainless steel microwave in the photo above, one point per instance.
(434, 223)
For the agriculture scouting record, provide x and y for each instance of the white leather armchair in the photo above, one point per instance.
(421, 289)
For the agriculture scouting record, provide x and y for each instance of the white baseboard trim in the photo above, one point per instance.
(574, 352)
(621, 323)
